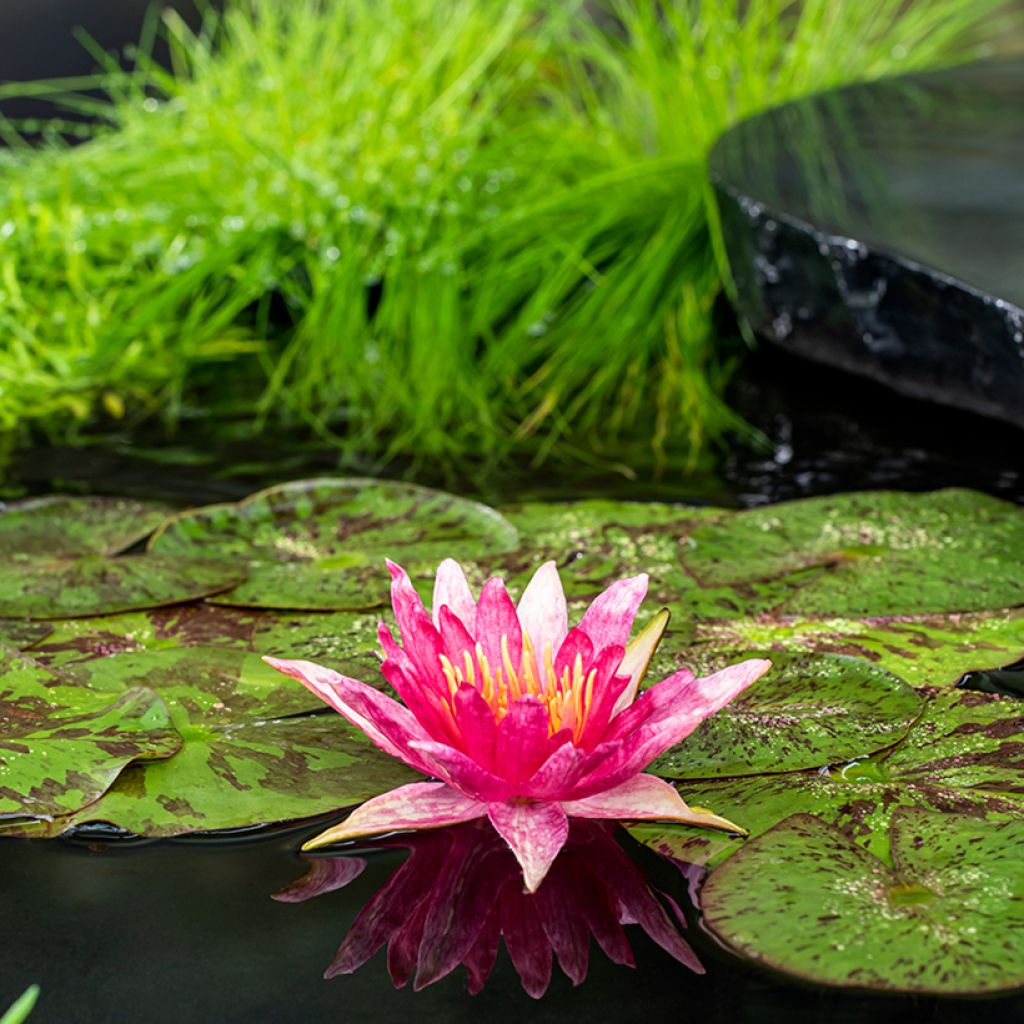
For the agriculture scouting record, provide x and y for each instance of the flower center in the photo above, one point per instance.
(566, 696)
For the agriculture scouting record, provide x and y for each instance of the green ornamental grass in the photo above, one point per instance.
(456, 230)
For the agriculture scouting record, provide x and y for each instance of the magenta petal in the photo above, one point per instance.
(324, 874)
(477, 730)
(641, 798)
(609, 619)
(496, 618)
(558, 901)
(418, 805)
(404, 945)
(567, 769)
(523, 743)
(534, 831)
(461, 772)
(421, 640)
(654, 703)
(451, 590)
(386, 722)
(427, 709)
(456, 639)
(668, 725)
(576, 644)
(543, 613)
(479, 962)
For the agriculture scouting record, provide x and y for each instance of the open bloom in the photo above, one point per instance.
(523, 720)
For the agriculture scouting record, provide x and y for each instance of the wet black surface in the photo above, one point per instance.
(186, 931)
(880, 228)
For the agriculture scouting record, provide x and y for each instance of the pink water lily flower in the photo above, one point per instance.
(523, 720)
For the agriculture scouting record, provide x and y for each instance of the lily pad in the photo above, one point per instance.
(948, 919)
(963, 755)
(871, 554)
(344, 641)
(320, 544)
(925, 651)
(40, 589)
(69, 527)
(61, 747)
(239, 774)
(243, 761)
(21, 633)
(806, 712)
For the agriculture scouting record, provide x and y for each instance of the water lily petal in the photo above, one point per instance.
(576, 644)
(418, 805)
(609, 619)
(496, 618)
(426, 706)
(644, 798)
(543, 613)
(455, 637)
(451, 590)
(387, 723)
(461, 772)
(534, 831)
(421, 640)
(477, 729)
(638, 656)
(523, 743)
(668, 724)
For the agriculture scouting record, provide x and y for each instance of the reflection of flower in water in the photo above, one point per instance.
(524, 721)
(461, 890)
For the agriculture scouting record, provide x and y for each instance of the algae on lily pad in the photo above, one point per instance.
(321, 544)
(808, 711)
(42, 589)
(933, 650)
(62, 746)
(871, 554)
(962, 755)
(252, 753)
(70, 527)
(946, 919)
(23, 633)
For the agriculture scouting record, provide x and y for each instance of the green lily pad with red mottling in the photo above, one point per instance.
(344, 641)
(858, 555)
(252, 754)
(946, 919)
(806, 712)
(243, 773)
(20, 634)
(70, 527)
(39, 589)
(62, 746)
(932, 650)
(321, 544)
(965, 754)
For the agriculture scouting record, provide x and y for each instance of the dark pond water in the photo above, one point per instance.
(186, 931)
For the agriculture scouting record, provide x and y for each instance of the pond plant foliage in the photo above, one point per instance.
(868, 782)
(479, 229)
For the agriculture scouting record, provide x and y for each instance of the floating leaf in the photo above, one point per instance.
(948, 919)
(62, 746)
(344, 641)
(872, 554)
(99, 586)
(238, 774)
(320, 544)
(243, 762)
(808, 711)
(68, 527)
(963, 755)
(925, 651)
(21, 633)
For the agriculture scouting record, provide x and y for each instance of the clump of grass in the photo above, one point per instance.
(449, 229)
